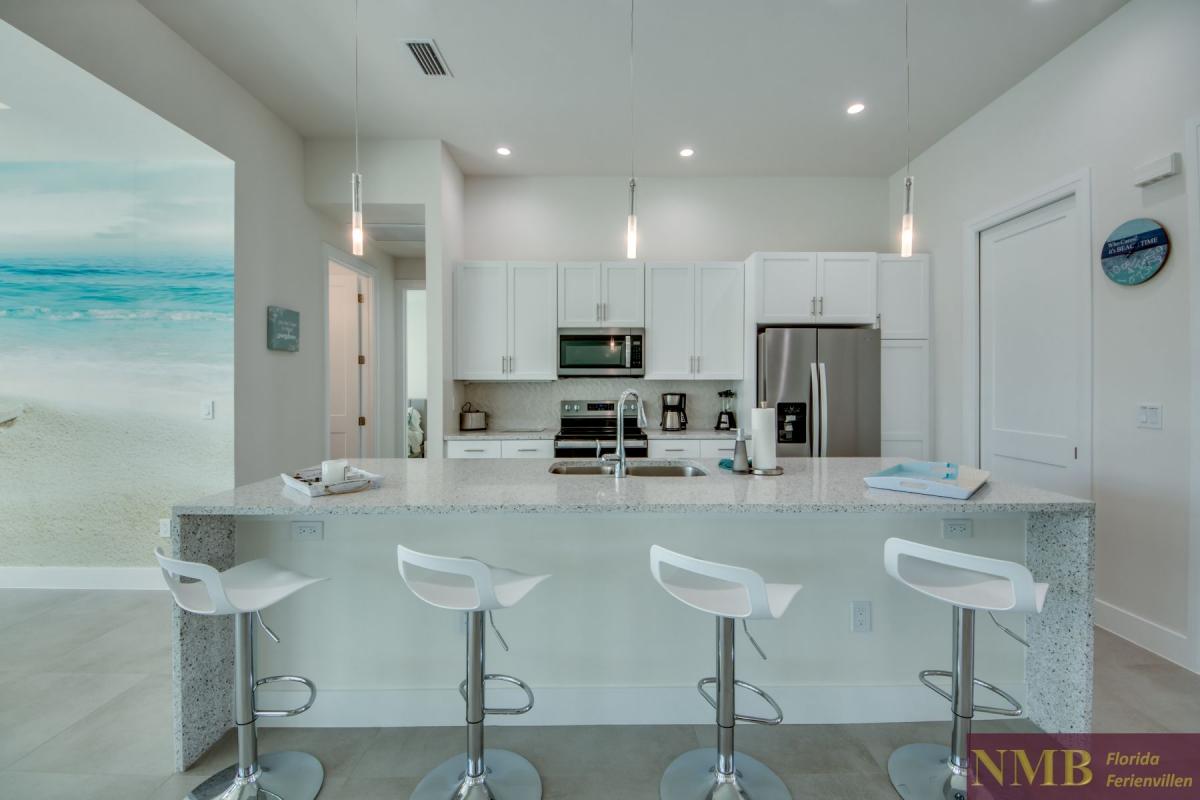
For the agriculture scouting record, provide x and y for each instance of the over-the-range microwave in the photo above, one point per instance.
(600, 352)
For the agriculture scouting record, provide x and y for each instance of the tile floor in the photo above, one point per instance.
(85, 713)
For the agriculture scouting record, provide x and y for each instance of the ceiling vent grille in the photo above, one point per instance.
(429, 57)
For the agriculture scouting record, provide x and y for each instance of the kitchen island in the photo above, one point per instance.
(599, 641)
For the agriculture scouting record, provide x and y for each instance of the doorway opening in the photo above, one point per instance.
(413, 368)
(351, 360)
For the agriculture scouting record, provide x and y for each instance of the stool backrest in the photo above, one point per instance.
(477, 572)
(720, 589)
(961, 579)
(205, 596)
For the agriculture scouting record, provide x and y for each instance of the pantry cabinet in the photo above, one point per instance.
(694, 321)
(505, 323)
(601, 294)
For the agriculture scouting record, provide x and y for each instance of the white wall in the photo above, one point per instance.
(416, 330)
(724, 219)
(279, 405)
(1112, 101)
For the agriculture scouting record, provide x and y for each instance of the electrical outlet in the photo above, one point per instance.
(164, 528)
(957, 529)
(308, 531)
(1150, 416)
(208, 409)
(860, 616)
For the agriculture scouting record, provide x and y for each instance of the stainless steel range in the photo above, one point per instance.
(589, 430)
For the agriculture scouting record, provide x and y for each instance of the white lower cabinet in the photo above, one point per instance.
(904, 400)
(675, 448)
(527, 448)
(500, 448)
(716, 448)
(473, 448)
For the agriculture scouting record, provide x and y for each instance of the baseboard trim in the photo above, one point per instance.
(1158, 639)
(141, 578)
(670, 705)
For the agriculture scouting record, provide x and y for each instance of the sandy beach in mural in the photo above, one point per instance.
(104, 370)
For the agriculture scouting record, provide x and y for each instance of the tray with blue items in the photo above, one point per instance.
(937, 478)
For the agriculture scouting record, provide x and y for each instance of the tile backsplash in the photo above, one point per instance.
(535, 405)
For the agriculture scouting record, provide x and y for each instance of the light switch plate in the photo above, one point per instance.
(164, 528)
(208, 410)
(1150, 416)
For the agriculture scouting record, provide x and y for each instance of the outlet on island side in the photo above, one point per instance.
(308, 531)
(956, 529)
(860, 616)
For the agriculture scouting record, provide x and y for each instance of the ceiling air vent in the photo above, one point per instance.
(428, 57)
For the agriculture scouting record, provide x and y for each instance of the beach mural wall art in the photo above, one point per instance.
(116, 354)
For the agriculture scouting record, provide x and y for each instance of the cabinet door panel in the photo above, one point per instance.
(674, 448)
(624, 295)
(480, 321)
(579, 295)
(787, 286)
(670, 321)
(720, 333)
(846, 287)
(716, 448)
(904, 297)
(904, 397)
(527, 448)
(532, 321)
(472, 448)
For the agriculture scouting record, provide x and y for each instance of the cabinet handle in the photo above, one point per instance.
(475, 450)
(697, 365)
(511, 369)
(812, 306)
(526, 449)
(597, 312)
(503, 364)
(821, 299)
(673, 449)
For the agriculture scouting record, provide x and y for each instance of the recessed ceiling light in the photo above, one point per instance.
(855, 108)
(503, 151)
(687, 152)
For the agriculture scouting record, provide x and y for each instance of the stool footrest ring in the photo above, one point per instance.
(1015, 709)
(525, 709)
(750, 687)
(286, 712)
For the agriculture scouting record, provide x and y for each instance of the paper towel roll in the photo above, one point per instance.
(762, 429)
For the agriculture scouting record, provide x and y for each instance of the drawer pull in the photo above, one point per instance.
(674, 449)
(475, 450)
(527, 450)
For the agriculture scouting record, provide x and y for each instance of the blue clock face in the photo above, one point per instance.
(1135, 251)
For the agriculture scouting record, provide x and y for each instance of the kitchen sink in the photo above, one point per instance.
(657, 469)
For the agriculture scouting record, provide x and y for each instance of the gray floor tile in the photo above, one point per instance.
(142, 645)
(643, 751)
(881, 740)
(409, 752)
(61, 786)
(806, 749)
(359, 788)
(18, 605)
(338, 749)
(35, 708)
(840, 786)
(129, 735)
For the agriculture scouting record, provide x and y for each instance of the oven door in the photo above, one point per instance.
(586, 448)
(615, 352)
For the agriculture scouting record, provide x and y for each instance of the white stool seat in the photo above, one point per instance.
(243, 589)
(964, 580)
(720, 589)
(463, 584)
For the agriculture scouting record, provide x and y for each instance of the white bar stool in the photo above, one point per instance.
(243, 592)
(466, 584)
(729, 593)
(968, 583)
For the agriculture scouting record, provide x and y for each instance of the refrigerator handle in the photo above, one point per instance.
(814, 416)
(824, 411)
(762, 375)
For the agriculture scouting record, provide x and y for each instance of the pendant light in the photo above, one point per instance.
(356, 201)
(631, 234)
(906, 222)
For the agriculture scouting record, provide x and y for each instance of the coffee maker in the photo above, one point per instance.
(674, 416)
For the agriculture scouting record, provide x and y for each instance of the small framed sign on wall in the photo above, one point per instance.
(1135, 252)
(283, 329)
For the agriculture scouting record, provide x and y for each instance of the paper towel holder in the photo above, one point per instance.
(772, 471)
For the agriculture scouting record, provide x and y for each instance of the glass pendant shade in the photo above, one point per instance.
(356, 214)
(906, 222)
(631, 224)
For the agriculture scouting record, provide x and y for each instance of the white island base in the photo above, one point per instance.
(600, 642)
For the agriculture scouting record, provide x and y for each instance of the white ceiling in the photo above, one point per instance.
(59, 112)
(757, 88)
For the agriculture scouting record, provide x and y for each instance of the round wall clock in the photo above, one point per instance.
(1135, 251)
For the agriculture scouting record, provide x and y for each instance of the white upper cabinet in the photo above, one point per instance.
(481, 321)
(532, 322)
(787, 287)
(846, 288)
(579, 293)
(595, 295)
(505, 325)
(720, 329)
(904, 297)
(670, 321)
(694, 321)
(623, 301)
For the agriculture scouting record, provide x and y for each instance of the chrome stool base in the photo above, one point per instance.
(922, 772)
(281, 776)
(693, 776)
(507, 776)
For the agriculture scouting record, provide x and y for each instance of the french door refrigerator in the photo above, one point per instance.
(824, 386)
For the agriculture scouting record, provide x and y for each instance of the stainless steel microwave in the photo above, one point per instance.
(600, 352)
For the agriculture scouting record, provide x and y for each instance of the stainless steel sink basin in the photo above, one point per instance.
(657, 469)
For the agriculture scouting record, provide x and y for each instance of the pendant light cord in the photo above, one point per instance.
(907, 99)
(632, 140)
(356, 85)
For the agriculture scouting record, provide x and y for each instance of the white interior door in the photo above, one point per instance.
(1035, 349)
(345, 386)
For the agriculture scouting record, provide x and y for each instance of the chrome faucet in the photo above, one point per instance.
(619, 471)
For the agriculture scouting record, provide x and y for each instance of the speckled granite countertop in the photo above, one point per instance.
(822, 485)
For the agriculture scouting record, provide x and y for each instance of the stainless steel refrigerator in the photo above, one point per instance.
(824, 386)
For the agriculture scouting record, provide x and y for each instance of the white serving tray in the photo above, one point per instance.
(931, 478)
(308, 482)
